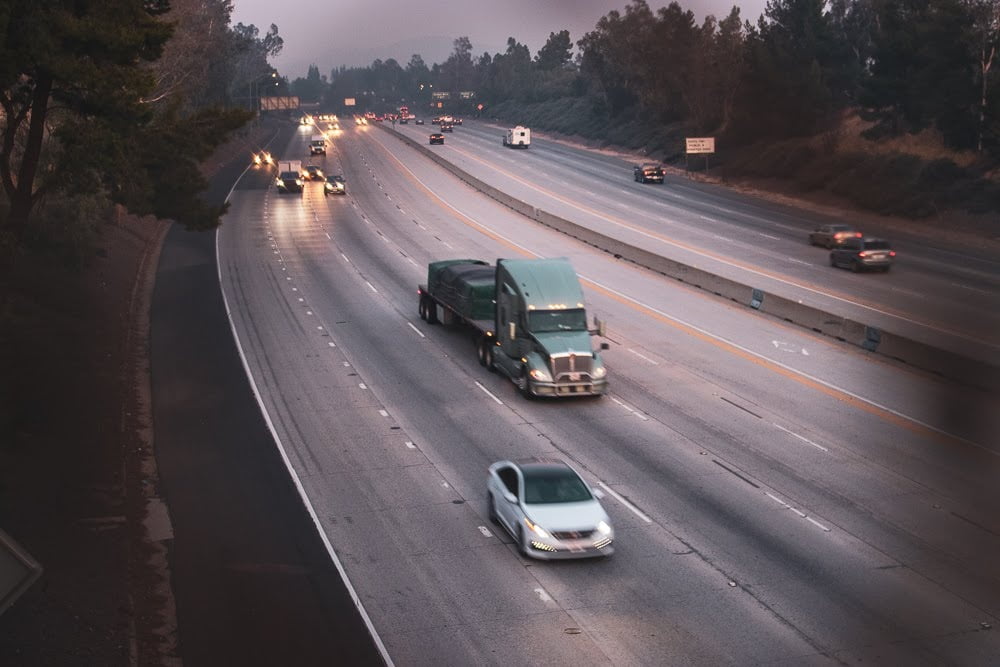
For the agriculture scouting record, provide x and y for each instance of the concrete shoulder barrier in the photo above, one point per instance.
(945, 363)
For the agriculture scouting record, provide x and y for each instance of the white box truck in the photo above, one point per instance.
(517, 137)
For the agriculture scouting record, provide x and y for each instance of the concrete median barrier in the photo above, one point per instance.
(888, 344)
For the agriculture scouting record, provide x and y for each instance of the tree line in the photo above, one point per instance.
(117, 101)
(905, 65)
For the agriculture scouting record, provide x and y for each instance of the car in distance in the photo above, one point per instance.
(437, 138)
(314, 173)
(446, 127)
(863, 254)
(831, 235)
(334, 185)
(419, 121)
(456, 120)
(548, 509)
(648, 173)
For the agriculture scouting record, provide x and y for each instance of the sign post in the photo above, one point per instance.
(698, 145)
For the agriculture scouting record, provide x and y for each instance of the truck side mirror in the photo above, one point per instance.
(605, 346)
(600, 327)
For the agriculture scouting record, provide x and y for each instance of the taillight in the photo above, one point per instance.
(863, 253)
(857, 235)
(892, 253)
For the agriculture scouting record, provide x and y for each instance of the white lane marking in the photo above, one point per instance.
(328, 235)
(814, 521)
(418, 332)
(332, 344)
(410, 445)
(288, 277)
(643, 356)
(768, 236)
(803, 439)
(485, 531)
(489, 393)
(295, 289)
(383, 413)
(319, 328)
(799, 512)
(309, 312)
(345, 257)
(362, 385)
(617, 496)
(445, 485)
(371, 286)
(355, 598)
(411, 261)
(301, 299)
(776, 499)
(545, 597)
(799, 261)
(794, 371)
(705, 217)
(633, 411)
(971, 288)
(347, 364)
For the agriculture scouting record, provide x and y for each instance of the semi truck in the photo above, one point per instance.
(527, 318)
(517, 137)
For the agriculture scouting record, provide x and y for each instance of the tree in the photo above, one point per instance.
(65, 62)
(984, 43)
(555, 53)
(312, 88)
(458, 71)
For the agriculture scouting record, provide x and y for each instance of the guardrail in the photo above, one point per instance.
(926, 357)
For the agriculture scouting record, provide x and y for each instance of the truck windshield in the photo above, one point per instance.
(542, 321)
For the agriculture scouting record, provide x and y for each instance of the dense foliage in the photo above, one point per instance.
(118, 101)
(907, 65)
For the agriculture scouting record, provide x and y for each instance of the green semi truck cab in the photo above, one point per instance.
(528, 319)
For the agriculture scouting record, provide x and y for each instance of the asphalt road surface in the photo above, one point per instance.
(939, 292)
(778, 497)
(253, 582)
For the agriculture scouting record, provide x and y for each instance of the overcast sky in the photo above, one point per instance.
(330, 33)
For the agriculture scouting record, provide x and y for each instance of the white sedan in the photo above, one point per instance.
(548, 509)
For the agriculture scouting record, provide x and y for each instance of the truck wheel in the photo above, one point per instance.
(524, 386)
(432, 312)
(422, 308)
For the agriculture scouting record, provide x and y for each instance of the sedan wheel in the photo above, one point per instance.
(855, 266)
(833, 260)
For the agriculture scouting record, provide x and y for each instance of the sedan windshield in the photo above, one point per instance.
(543, 321)
(552, 484)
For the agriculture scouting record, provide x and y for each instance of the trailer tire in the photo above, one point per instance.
(432, 312)
(422, 308)
(485, 353)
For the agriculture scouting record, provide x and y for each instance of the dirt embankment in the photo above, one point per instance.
(77, 471)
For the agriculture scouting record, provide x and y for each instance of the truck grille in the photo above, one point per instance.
(565, 364)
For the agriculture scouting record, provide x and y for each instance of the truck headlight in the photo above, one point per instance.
(539, 374)
(600, 372)
(603, 528)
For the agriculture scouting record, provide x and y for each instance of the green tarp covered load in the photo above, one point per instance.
(468, 286)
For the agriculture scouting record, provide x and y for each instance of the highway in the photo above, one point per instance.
(941, 294)
(778, 497)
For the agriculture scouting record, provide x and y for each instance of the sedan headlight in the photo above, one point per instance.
(539, 374)
(603, 528)
(537, 530)
(600, 372)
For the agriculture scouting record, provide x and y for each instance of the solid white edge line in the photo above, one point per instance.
(776, 499)
(288, 464)
(617, 496)
(418, 331)
(489, 393)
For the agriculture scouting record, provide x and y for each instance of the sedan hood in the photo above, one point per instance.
(567, 516)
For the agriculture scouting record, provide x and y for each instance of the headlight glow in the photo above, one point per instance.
(539, 374)
(604, 528)
(536, 529)
(600, 372)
